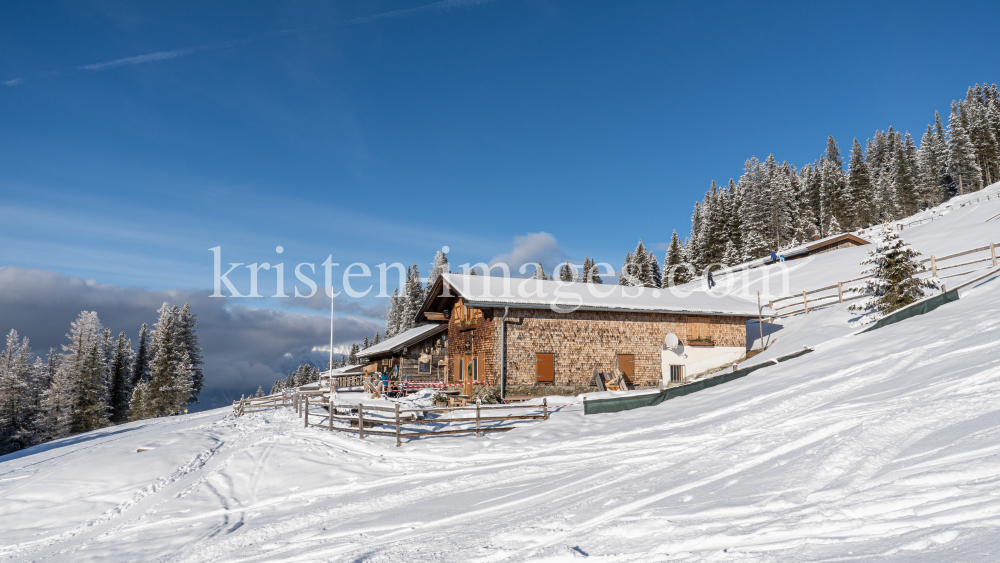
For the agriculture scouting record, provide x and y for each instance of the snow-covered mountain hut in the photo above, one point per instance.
(557, 333)
(420, 353)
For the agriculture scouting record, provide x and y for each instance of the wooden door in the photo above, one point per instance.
(545, 368)
(626, 363)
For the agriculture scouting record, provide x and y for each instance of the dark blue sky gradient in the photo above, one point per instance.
(382, 139)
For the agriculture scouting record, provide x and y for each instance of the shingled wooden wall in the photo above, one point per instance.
(583, 340)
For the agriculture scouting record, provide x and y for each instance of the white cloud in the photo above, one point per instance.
(530, 248)
(139, 59)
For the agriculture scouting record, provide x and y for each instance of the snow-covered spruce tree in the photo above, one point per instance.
(539, 272)
(91, 408)
(187, 341)
(566, 273)
(732, 255)
(64, 394)
(377, 339)
(413, 298)
(590, 273)
(393, 314)
(438, 266)
(278, 387)
(932, 158)
(655, 274)
(962, 163)
(976, 118)
(366, 344)
(673, 272)
(138, 406)
(859, 185)
(120, 369)
(140, 368)
(260, 391)
(640, 258)
(17, 409)
(631, 271)
(172, 373)
(905, 175)
(834, 193)
(352, 358)
(893, 285)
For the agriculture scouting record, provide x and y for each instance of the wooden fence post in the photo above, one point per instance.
(993, 253)
(545, 408)
(361, 421)
(305, 412)
(805, 302)
(398, 441)
(478, 433)
(933, 266)
(330, 419)
(840, 291)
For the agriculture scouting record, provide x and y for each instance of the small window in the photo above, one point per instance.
(461, 370)
(475, 369)
(676, 374)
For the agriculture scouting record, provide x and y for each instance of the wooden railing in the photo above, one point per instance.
(803, 303)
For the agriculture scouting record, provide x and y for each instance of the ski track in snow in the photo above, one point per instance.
(877, 446)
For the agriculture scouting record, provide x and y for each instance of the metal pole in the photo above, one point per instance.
(398, 441)
(760, 321)
(503, 354)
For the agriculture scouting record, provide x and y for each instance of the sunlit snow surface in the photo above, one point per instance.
(878, 446)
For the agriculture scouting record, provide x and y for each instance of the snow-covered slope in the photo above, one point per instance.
(883, 445)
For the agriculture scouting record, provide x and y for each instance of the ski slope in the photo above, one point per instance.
(877, 446)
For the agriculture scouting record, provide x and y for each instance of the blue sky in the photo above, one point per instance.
(136, 136)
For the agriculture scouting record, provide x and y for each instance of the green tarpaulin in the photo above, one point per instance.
(918, 308)
(617, 404)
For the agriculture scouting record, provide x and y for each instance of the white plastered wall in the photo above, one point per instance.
(698, 359)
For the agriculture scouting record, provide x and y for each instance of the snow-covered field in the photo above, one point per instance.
(883, 445)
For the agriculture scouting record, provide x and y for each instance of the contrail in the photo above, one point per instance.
(175, 53)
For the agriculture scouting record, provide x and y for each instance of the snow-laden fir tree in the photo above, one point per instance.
(377, 339)
(859, 186)
(674, 271)
(260, 391)
(631, 272)
(352, 358)
(140, 368)
(366, 344)
(589, 273)
(394, 314)
(892, 266)
(120, 368)
(539, 272)
(962, 164)
(566, 273)
(187, 341)
(17, 408)
(438, 266)
(413, 298)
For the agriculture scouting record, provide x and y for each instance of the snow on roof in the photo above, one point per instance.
(402, 340)
(345, 369)
(495, 291)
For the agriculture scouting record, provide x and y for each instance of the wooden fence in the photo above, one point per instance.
(368, 418)
(836, 293)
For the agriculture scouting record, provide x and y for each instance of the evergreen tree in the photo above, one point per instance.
(859, 185)
(172, 373)
(630, 272)
(539, 272)
(673, 272)
(566, 273)
(377, 339)
(640, 260)
(834, 194)
(138, 406)
(352, 359)
(91, 408)
(140, 368)
(187, 342)
(343, 361)
(121, 379)
(438, 266)
(962, 163)
(893, 285)
(590, 273)
(904, 175)
(394, 314)
(932, 160)
(366, 344)
(413, 298)
(260, 391)
(17, 409)
(278, 387)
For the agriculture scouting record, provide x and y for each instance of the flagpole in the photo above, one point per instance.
(333, 387)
